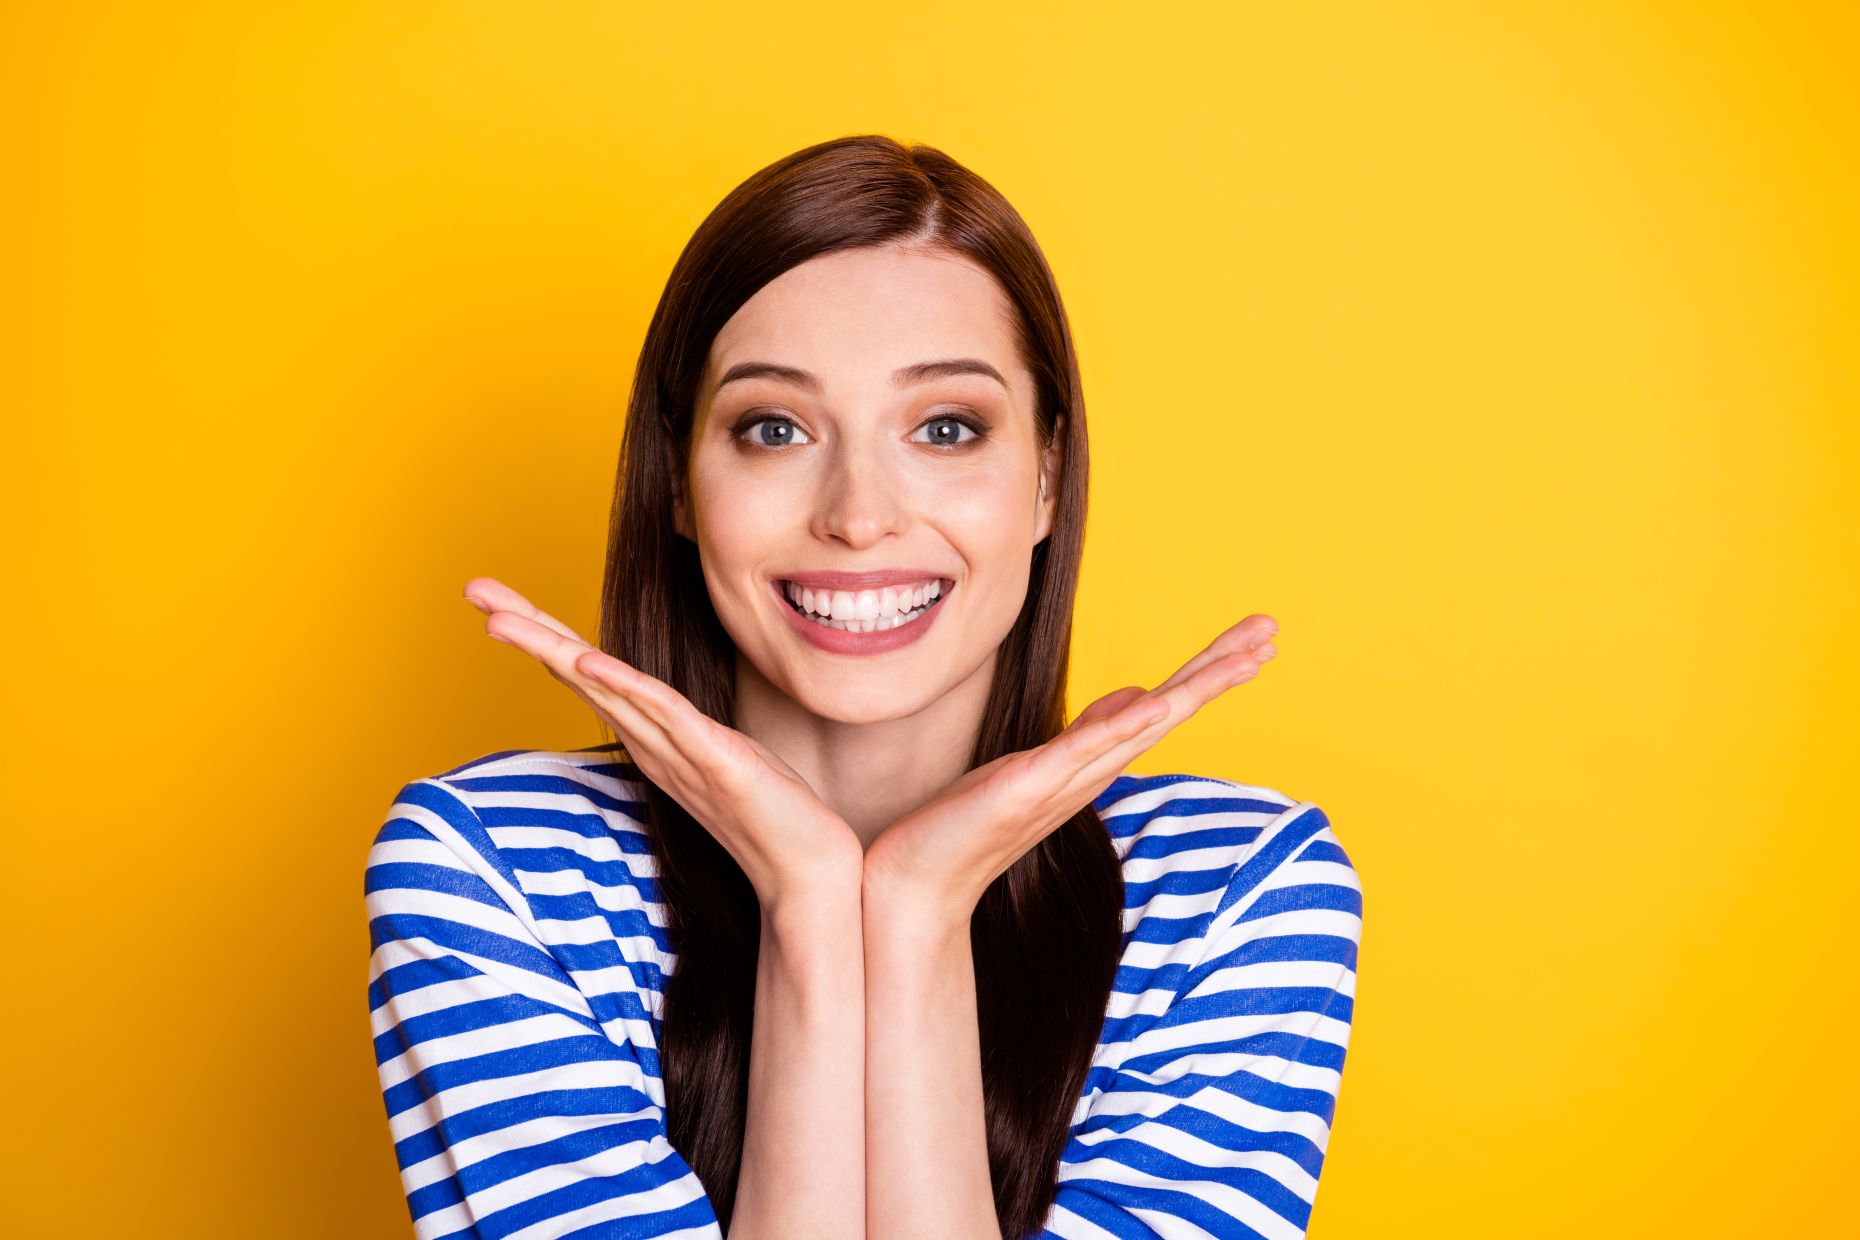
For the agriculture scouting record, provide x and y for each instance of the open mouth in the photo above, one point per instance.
(865, 611)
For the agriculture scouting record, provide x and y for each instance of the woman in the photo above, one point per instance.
(849, 932)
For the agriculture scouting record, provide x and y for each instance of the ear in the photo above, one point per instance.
(681, 509)
(1050, 462)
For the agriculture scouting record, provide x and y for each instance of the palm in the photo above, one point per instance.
(768, 757)
(929, 843)
(755, 804)
(948, 851)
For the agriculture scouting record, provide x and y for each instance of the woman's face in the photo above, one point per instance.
(817, 450)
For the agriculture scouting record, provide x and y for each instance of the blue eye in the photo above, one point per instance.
(948, 438)
(946, 431)
(742, 430)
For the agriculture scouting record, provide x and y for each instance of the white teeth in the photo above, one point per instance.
(867, 611)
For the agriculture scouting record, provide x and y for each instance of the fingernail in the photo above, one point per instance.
(1267, 653)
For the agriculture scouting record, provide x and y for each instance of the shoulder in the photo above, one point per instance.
(1195, 846)
(515, 798)
(560, 837)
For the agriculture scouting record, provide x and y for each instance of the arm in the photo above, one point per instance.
(1219, 1110)
(804, 1137)
(802, 1170)
(511, 1104)
(926, 1144)
(926, 1136)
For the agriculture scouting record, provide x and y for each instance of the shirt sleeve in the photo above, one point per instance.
(1217, 1114)
(510, 1107)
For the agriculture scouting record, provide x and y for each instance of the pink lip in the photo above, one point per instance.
(842, 641)
(876, 579)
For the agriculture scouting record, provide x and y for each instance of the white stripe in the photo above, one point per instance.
(1152, 813)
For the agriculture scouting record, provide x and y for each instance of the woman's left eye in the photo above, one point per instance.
(946, 430)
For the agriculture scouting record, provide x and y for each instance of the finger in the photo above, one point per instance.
(1144, 730)
(1110, 744)
(1129, 714)
(712, 762)
(1109, 704)
(613, 697)
(1109, 724)
(1082, 744)
(713, 751)
(1256, 631)
(1081, 762)
(1054, 775)
(489, 595)
(700, 740)
(556, 649)
(651, 748)
(1209, 682)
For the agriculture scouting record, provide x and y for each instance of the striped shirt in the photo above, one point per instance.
(517, 969)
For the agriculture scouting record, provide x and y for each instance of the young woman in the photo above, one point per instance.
(849, 932)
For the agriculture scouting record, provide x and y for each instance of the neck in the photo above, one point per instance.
(870, 773)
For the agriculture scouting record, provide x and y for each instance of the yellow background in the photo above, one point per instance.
(1505, 353)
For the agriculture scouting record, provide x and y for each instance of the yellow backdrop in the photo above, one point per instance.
(1504, 353)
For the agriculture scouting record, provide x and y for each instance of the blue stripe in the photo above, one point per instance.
(488, 1059)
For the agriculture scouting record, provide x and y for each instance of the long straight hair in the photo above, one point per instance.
(1047, 933)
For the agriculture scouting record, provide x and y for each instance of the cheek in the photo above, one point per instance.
(738, 515)
(985, 510)
(990, 521)
(746, 517)
(741, 525)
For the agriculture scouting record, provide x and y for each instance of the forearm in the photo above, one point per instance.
(926, 1138)
(803, 1171)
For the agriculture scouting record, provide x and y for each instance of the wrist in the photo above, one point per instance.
(803, 912)
(912, 910)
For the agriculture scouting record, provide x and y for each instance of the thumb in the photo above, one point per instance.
(1109, 704)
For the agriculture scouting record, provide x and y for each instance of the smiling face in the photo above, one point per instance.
(833, 436)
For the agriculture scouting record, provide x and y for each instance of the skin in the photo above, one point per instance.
(842, 794)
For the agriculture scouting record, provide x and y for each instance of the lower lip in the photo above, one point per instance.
(845, 641)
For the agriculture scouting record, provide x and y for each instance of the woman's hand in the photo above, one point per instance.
(938, 859)
(787, 840)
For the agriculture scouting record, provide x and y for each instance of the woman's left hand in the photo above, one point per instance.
(938, 859)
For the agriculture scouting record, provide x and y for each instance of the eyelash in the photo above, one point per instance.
(756, 417)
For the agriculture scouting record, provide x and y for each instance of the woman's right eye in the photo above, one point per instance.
(782, 436)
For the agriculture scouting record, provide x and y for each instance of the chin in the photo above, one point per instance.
(859, 708)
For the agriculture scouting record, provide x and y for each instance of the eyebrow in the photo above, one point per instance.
(905, 376)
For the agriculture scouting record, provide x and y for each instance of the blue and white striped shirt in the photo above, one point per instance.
(519, 954)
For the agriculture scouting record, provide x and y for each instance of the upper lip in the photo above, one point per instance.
(874, 579)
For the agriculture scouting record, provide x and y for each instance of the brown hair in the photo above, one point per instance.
(1047, 934)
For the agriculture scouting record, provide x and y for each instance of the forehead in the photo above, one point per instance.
(856, 316)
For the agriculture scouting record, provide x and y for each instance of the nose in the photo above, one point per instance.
(860, 501)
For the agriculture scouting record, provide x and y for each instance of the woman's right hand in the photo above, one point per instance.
(787, 840)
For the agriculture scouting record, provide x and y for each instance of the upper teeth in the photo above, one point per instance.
(864, 604)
